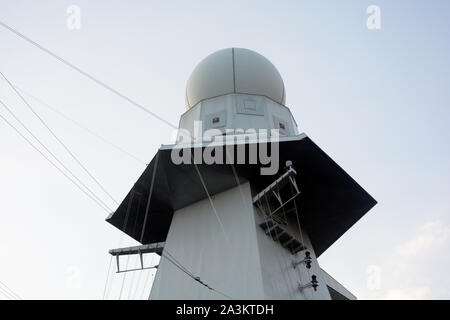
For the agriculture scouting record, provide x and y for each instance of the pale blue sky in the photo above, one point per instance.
(377, 101)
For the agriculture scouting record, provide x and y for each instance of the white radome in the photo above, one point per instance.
(234, 70)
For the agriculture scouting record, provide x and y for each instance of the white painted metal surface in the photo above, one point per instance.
(238, 112)
(239, 260)
(224, 245)
(281, 279)
(226, 259)
(234, 70)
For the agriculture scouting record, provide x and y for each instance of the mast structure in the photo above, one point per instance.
(243, 204)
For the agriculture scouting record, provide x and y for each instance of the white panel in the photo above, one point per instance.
(247, 104)
(250, 119)
(239, 260)
(188, 118)
(229, 263)
(240, 111)
(279, 113)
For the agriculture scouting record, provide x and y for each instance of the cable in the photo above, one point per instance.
(84, 73)
(212, 204)
(177, 264)
(8, 289)
(124, 277)
(150, 193)
(148, 276)
(104, 85)
(169, 258)
(137, 260)
(130, 202)
(8, 293)
(132, 279)
(87, 75)
(5, 293)
(51, 162)
(81, 126)
(92, 194)
(111, 274)
(107, 278)
(138, 280)
(59, 140)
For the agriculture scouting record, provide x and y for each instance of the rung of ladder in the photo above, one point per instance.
(277, 233)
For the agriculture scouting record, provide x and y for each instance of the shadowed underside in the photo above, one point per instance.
(330, 201)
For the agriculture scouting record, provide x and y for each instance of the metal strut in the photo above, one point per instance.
(274, 187)
(140, 250)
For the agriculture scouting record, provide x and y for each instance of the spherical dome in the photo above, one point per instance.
(234, 70)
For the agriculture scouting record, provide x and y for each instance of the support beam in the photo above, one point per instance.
(157, 247)
(276, 185)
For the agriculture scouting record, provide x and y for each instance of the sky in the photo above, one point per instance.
(376, 100)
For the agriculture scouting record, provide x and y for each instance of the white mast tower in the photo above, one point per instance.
(239, 221)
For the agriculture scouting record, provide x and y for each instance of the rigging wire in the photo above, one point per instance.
(80, 125)
(10, 291)
(130, 203)
(137, 260)
(165, 252)
(84, 73)
(212, 204)
(148, 276)
(89, 191)
(87, 75)
(5, 293)
(107, 278)
(133, 279)
(52, 163)
(172, 260)
(59, 140)
(121, 95)
(149, 197)
(138, 281)
(124, 277)
(110, 274)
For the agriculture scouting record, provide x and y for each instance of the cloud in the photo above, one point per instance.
(411, 293)
(432, 234)
(416, 268)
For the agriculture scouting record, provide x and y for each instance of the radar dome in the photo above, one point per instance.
(234, 70)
